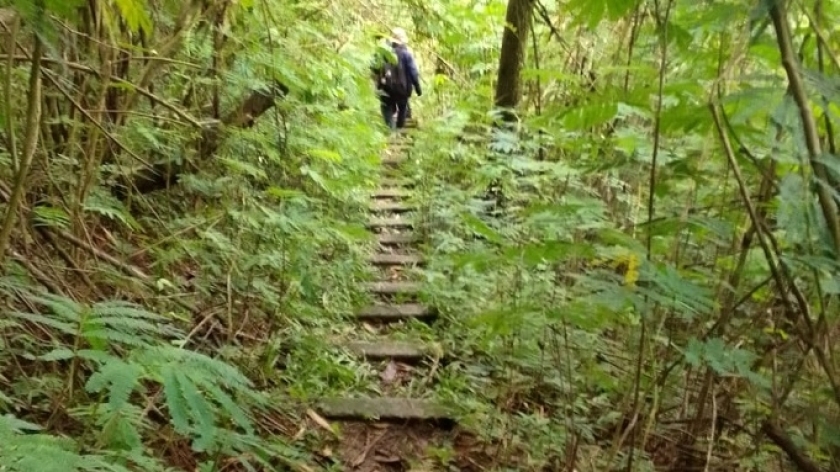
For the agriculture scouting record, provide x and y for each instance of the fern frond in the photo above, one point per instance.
(200, 410)
(51, 217)
(109, 323)
(236, 413)
(174, 399)
(119, 377)
(22, 452)
(60, 326)
(106, 205)
(200, 392)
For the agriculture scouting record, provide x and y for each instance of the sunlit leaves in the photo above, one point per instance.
(136, 14)
(284, 193)
(45, 215)
(325, 154)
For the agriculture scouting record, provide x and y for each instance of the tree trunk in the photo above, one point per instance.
(514, 40)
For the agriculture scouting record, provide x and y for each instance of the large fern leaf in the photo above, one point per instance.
(120, 379)
(23, 449)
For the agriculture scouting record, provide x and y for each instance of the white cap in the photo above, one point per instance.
(399, 35)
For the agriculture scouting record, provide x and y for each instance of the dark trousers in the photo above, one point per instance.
(391, 105)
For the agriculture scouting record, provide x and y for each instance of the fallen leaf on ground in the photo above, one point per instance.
(320, 421)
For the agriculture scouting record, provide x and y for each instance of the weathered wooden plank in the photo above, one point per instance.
(392, 182)
(390, 192)
(393, 160)
(390, 222)
(393, 288)
(393, 207)
(396, 312)
(396, 259)
(397, 350)
(395, 239)
(385, 409)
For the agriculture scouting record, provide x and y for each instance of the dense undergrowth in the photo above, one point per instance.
(611, 316)
(657, 290)
(256, 242)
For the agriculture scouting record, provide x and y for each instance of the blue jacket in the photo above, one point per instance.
(411, 71)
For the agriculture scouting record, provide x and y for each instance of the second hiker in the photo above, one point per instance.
(397, 77)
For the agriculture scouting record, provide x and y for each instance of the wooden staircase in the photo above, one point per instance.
(395, 301)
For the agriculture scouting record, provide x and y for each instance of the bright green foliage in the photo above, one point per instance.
(557, 339)
(174, 346)
(126, 351)
(145, 326)
(23, 449)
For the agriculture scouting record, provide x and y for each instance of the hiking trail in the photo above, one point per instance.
(393, 431)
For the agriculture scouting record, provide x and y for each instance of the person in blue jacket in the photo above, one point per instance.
(395, 93)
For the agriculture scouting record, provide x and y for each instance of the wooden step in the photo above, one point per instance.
(384, 409)
(398, 350)
(396, 259)
(401, 137)
(393, 207)
(396, 312)
(396, 239)
(393, 160)
(393, 288)
(391, 182)
(390, 222)
(390, 192)
(396, 153)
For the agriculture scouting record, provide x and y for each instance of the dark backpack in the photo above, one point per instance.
(393, 79)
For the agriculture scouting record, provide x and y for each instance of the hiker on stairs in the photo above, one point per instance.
(408, 49)
(397, 77)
